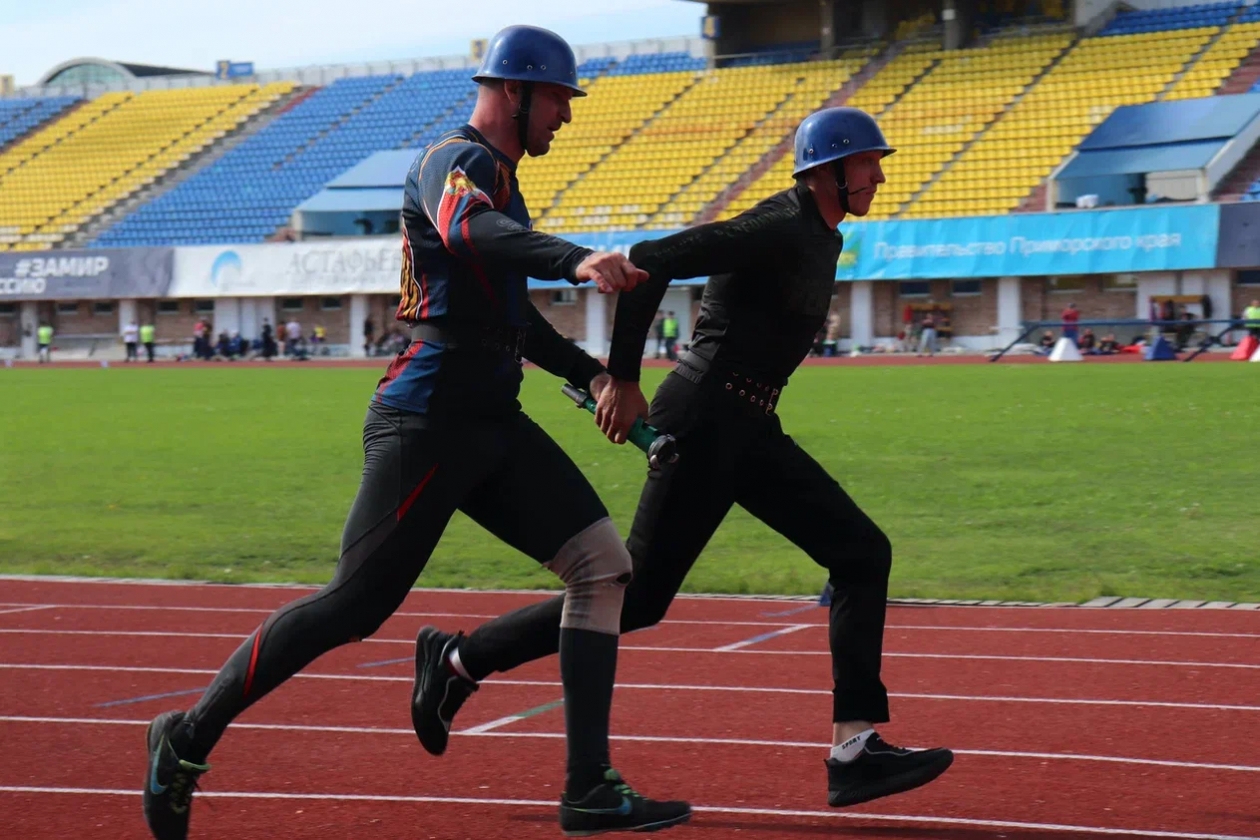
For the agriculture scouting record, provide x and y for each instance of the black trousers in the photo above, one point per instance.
(131, 351)
(732, 454)
(508, 476)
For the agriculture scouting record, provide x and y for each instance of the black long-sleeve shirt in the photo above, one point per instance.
(771, 272)
(468, 252)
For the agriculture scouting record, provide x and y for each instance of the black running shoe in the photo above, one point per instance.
(882, 770)
(438, 691)
(170, 782)
(615, 806)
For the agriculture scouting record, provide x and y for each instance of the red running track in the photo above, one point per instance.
(1068, 722)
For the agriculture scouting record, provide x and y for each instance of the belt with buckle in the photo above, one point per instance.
(510, 340)
(749, 391)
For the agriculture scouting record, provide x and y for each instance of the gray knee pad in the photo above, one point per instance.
(595, 567)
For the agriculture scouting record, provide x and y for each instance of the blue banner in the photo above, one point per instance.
(1030, 244)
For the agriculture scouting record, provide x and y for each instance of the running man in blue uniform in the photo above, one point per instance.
(445, 432)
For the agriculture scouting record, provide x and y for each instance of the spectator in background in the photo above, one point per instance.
(45, 336)
(369, 330)
(237, 346)
(147, 334)
(1047, 343)
(833, 334)
(319, 340)
(268, 340)
(292, 335)
(1251, 319)
(1070, 319)
(1087, 343)
(670, 328)
(199, 337)
(927, 336)
(131, 337)
(1108, 346)
(658, 329)
(222, 347)
(1185, 330)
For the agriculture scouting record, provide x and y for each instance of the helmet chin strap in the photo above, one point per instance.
(842, 185)
(522, 116)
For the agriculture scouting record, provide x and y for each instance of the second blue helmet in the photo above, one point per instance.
(834, 133)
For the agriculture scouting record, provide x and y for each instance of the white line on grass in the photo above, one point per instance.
(488, 730)
(705, 809)
(16, 666)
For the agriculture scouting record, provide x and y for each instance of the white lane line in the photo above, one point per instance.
(15, 666)
(31, 608)
(680, 621)
(709, 809)
(487, 730)
(795, 628)
(738, 647)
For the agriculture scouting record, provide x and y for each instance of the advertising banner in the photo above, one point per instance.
(368, 265)
(86, 275)
(1031, 244)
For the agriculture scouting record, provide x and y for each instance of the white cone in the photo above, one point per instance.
(1255, 357)
(1065, 351)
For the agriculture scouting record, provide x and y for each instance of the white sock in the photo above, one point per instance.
(452, 659)
(851, 748)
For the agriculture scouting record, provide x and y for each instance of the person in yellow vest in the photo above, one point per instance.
(670, 330)
(147, 334)
(321, 339)
(1251, 318)
(45, 336)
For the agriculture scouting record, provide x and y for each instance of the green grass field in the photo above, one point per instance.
(1035, 482)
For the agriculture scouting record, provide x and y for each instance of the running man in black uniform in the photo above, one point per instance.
(445, 432)
(772, 271)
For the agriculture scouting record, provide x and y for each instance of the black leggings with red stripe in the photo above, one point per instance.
(508, 476)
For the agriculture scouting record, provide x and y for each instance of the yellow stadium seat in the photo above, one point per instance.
(58, 178)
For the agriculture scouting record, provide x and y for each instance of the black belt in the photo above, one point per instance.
(510, 340)
(753, 392)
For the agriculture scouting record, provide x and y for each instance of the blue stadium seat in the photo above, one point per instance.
(252, 190)
(18, 116)
(1184, 17)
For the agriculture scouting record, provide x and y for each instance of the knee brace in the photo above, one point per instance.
(595, 567)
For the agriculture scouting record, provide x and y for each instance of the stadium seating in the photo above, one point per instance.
(616, 106)
(959, 98)
(815, 83)
(1034, 136)
(18, 116)
(1214, 66)
(253, 189)
(653, 146)
(875, 96)
(1162, 20)
(57, 178)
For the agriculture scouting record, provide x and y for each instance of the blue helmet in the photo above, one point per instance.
(835, 133)
(530, 54)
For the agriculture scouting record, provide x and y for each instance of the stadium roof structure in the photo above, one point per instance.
(87, 70)
(1179, 150)
(373, 184)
